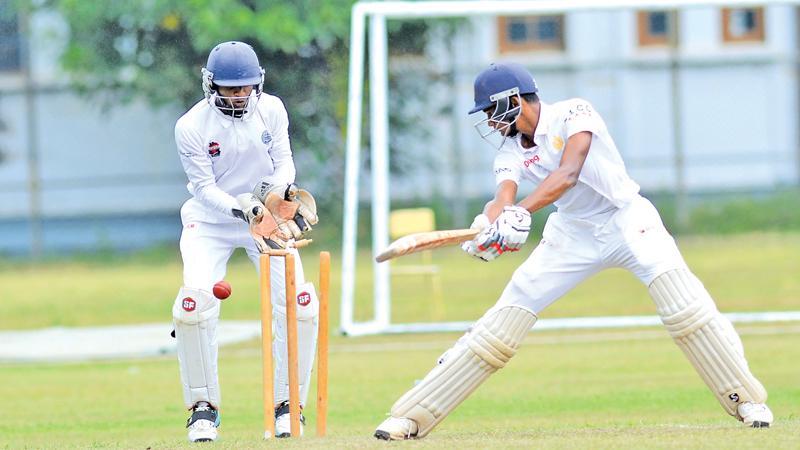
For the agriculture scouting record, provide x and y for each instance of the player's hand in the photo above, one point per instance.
(263, 227)
(264, 187)
(250, 208)
(271, 232)
(513, 225)
(481, 247)
(288, 203)
(306, 207)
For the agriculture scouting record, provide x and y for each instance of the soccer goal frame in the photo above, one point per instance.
(377, 13)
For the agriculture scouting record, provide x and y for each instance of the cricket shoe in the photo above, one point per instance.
(283, 421)
(203, 423)
(397, 429)
(756, 415)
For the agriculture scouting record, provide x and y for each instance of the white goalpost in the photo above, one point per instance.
(372, 17)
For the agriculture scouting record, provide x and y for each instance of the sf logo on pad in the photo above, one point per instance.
(189, 304)
(303, 298)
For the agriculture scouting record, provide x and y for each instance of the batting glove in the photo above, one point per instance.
(485, 245)
(513, 226)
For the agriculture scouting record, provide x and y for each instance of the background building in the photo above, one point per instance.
(710, 90)
(703, 99)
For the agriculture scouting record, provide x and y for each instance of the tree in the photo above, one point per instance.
(144, 46)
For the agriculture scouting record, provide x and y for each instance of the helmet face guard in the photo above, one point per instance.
(227, 104)
(500, 122)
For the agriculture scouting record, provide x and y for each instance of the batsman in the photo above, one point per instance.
(600, 222)
(234, 147)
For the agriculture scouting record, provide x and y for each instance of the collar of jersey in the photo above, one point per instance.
(543, 126)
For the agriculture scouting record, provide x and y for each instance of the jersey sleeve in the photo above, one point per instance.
(281, 151)
(506, 167)
(197, 165)
(581, 116)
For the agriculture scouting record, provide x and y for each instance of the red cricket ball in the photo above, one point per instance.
(222, 290)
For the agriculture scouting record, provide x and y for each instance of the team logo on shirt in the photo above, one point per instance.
(213, 149)
(558, 143)
(580, 110)
(266, 138)
(533, 160)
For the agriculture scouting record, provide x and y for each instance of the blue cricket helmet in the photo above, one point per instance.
(500, 78)
(234, 63)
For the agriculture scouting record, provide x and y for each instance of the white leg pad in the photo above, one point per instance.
(707, 338)
(195, 315)
(307, 327)
(488, 346)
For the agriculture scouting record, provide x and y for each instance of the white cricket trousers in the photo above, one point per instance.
(572, 250)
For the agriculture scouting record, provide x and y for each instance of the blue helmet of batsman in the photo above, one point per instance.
(494, 89)
(232, 64)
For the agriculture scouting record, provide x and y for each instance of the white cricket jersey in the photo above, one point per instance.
(603, 183)
(224, 156)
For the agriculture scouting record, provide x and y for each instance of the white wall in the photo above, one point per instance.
(91, 161)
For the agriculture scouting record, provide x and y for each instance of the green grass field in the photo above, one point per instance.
(576, 389)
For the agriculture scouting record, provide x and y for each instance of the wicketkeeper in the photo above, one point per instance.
(600, 222)
(234, 147)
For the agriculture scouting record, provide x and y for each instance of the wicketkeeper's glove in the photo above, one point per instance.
(301, 202)
(250, 208)
(291, 212)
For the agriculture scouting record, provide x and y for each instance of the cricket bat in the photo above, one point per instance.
(424, 241)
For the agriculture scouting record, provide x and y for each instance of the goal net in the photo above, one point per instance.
(614, 53)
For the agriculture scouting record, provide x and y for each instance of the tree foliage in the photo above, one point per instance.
(156, 48)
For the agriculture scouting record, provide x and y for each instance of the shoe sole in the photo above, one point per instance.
(382, 435)
(283, 435)
(203, 438)
(759, 424)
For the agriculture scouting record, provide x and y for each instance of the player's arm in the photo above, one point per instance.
(505, 195)
(564, 177)
(198, 168)
(508, 225)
